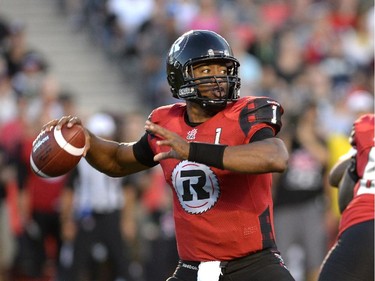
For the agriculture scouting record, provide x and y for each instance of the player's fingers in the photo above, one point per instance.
(62, 121)
(69, 120)
(180, 147)
(48, 127)
(168, 138)
(165, 155)
(163, 142)
(159, 156)
(158, 130)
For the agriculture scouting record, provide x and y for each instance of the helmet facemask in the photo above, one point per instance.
(227, 86)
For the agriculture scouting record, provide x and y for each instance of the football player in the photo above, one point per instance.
(217, 151)
(352, 256)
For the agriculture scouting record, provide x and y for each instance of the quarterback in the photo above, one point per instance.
(217, 152)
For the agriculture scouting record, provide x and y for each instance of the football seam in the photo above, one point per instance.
(36, 169)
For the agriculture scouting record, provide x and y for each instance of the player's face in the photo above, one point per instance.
(215, 85)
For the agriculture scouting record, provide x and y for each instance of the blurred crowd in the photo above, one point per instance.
(316, 57)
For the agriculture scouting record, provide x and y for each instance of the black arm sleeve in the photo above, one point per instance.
(262, 134)
(143, 153)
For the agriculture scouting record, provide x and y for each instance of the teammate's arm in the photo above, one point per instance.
(346, 188)
(337, 172)
(344, 176)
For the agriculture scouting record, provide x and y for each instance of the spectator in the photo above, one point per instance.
(46, 99)
(289, 62)
(4, 33)
(358, 43)
(28, 80)
(8, 96)
(17, 47)
(360, 102)
(39, 200)
(153, 39)
(208, 16)
(183, 11)
(130, 15)
(67, 101)
(251, 70)
(7, 239)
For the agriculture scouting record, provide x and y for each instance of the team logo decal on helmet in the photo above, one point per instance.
(196, 186)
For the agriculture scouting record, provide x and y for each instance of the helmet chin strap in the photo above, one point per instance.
(211, 106)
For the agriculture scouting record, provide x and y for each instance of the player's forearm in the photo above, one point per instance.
(112, 158)
(337, 172)
(101, 155)
(264, 156)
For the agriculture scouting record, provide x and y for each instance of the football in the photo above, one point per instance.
(56, 152)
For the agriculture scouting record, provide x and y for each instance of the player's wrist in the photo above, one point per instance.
(208, 154)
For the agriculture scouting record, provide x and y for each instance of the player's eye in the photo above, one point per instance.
(223, 71)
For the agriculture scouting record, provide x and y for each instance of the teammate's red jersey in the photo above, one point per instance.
(219, 215)
(361, 208)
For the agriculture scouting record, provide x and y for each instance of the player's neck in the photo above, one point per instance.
(195, 114)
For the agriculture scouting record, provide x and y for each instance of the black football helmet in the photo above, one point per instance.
(196, 47)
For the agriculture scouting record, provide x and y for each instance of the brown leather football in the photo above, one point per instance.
(56, 152)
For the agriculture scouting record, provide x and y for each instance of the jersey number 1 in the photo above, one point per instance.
(217, 136)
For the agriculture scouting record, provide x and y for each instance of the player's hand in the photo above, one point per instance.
(58, 123)
(69, 121)
(179, 146)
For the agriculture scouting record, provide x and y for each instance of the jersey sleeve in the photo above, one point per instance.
(260, 111)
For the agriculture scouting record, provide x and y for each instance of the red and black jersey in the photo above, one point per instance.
(361, 208)
(219, 215)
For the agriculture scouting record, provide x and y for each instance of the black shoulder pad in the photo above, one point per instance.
(261, 110)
